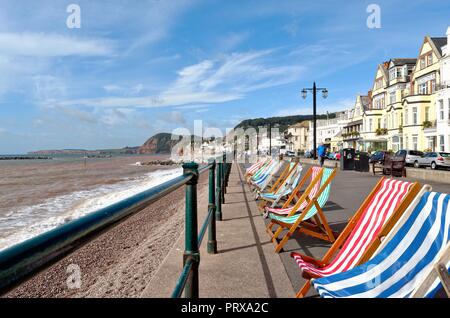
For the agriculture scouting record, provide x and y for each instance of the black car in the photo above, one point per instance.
(378, 156)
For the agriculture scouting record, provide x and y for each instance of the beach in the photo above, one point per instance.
(121, 261)
(37, 195)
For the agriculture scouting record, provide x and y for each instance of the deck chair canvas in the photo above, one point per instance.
(373, 220)
(403, 261)
(286, 208)
(278, 170)
(253, 169)
(260, 171)
(270, 170)
(311, 220)
(285, 188)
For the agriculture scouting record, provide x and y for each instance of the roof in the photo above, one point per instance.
(303, 124)
(403, 61)
(439, 43)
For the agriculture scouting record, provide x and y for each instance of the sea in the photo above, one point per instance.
(39, 195)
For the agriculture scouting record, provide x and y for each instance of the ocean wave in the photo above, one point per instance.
(27, 222)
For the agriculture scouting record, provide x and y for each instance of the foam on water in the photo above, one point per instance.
(27, 222)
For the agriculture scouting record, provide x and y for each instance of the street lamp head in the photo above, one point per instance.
(304, 93)
(325, 93)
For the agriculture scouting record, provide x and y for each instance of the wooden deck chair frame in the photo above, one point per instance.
(318, 227)
(328, 257)
(274, 170)
(439, 270)
(293, 194)
(277, 185)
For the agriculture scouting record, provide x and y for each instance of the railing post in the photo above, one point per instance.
(219, 192)
(191, 251)
(223, 187)
(212, 242)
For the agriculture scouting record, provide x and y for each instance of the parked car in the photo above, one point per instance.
(338, 155)
(290, 153)
(435, 160)
(378, 156)
(410, 156)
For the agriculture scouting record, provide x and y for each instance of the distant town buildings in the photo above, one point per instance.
(407, 107)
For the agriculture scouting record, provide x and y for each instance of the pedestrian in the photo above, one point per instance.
(322, 152)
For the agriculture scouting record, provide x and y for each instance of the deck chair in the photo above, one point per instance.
(285, 189)
(373, 220)
(278, 170)
(311, 220)
(311, 173)
(261, 178)
(255, 167)
(259, 171)
(404, 259)
(285, 174)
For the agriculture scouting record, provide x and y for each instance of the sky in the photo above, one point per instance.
(138, 67)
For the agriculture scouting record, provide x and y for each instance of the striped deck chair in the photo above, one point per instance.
(255, 167)
(284, 190)
(281, 181)
(404, 259)
(383, 207)
(278, 170)
(260, 171)
(311, 220)
(269, 170)
(286, 209)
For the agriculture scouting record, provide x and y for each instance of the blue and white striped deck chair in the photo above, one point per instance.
(404, 259)
(266, 173)
(276, 171)
(287, 187)
(261, 170)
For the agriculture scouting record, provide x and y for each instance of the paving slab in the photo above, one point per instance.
(245, 265)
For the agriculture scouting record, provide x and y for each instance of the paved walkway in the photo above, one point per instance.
(245, 266)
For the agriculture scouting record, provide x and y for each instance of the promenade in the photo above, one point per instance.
(246, 264)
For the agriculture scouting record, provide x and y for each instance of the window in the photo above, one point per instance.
(414, 111)
(442, 143)
(393, 120)
(414, 141)
(379, 123)
(370, 125)
(406, 117)
(429, 59)
(422, 63)
(406, 142)
(427, 113)
(433, 86)
(423, 88)
(392, 98)
(441, 109)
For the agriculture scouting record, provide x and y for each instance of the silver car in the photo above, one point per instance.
(410, 156)
(435, 160)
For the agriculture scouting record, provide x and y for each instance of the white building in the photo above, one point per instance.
(443, 101)
(297, 137)
(329, 130)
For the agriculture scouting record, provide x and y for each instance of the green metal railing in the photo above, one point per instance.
(188, 280)
(23, 260)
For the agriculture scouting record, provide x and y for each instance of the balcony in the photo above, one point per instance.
(429, 126)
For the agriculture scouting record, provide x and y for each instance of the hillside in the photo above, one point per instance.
(281, 122)
(158, 144)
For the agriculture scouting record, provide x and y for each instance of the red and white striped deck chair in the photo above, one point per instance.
(381, 209)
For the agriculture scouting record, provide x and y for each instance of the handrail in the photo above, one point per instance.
(188, 280)
(24, 259)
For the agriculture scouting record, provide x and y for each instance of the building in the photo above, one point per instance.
(443, 100)
(399, 70)
(297, 137)
(329, 131)
(374, 133)
(419, 102)
(351, 133)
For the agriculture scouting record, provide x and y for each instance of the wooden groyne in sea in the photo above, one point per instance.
(24, 158)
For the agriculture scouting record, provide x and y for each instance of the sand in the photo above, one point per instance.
(121, 261)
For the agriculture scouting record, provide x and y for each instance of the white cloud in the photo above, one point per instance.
(51, 45)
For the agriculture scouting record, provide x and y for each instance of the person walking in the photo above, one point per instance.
(322, 152)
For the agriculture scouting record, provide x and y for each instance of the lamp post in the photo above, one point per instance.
(324, 95)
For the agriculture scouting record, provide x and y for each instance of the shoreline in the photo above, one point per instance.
(120, 261)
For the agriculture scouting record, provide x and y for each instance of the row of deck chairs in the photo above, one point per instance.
(389, 248)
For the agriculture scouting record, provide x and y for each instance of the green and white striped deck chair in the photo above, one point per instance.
(307, 218)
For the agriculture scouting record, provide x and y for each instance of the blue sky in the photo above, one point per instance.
(136, 68)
